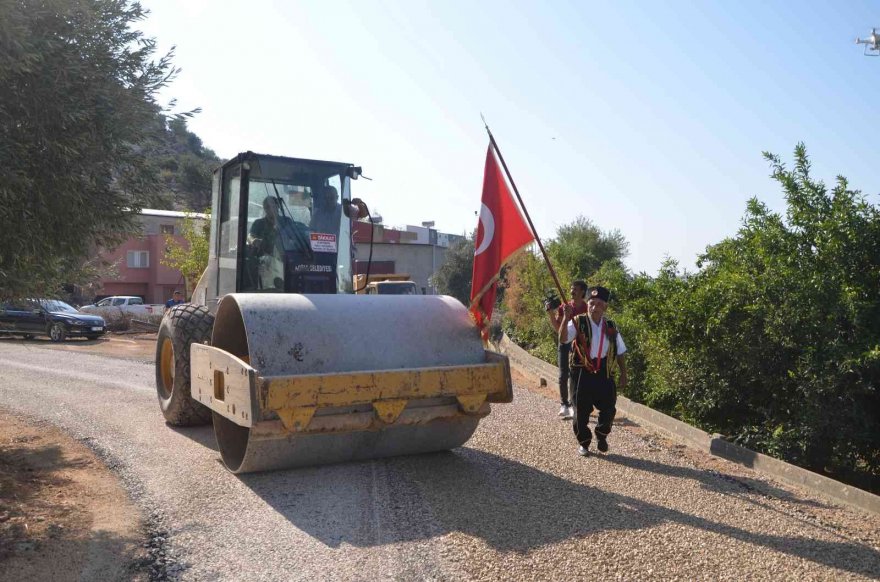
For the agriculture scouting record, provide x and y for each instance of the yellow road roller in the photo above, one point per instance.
(291, 365)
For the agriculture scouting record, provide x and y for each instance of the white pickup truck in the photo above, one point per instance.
(119, 304)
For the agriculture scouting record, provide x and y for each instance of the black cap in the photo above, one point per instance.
(599, 293)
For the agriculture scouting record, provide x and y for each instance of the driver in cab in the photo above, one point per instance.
(269, 237)
(326, 212)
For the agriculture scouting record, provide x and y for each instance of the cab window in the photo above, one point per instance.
(295, 201)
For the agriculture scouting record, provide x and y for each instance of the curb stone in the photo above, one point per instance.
(546, 375)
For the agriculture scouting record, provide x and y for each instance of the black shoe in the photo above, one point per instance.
(582, 451)
(602, 445)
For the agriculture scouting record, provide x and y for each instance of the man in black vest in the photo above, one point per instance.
(596, 345)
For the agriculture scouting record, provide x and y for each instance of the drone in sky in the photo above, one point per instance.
(872, 43)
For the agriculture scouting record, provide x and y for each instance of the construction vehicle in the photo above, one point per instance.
(392, 288)
(270, 348)
(385, 284)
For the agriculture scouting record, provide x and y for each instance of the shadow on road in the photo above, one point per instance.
(204, 435)
(712, 480)
(511, 506)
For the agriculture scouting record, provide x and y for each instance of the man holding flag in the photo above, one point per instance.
(596, 347)
(501, 232)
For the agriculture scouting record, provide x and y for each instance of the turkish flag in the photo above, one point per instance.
(502, 231)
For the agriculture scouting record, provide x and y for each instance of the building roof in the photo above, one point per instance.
(172, 213)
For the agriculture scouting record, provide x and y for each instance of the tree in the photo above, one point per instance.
(791, 307)
(581, 248)
(455, 274)
(191, 257)
(78, 123)
(774, 340)
(186, 166)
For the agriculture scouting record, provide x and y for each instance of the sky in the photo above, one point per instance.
(645, 117)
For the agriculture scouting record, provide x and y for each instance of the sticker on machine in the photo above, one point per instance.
(313, 269)
(323, 243)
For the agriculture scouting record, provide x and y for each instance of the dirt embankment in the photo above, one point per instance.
(63, 513)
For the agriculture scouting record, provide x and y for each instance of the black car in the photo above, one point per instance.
(50, 317)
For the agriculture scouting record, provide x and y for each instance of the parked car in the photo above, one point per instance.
(51, 317)
(112, 307)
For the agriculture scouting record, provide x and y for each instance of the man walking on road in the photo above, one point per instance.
(579, 305)
(596, 346)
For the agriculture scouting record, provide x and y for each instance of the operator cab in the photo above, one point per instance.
(281, 227)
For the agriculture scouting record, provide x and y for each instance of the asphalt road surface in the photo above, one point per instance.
(517, 503)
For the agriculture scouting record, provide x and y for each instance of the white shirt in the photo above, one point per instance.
(570, 334)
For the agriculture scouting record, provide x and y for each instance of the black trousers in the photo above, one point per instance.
(565, 390)
(593, 391)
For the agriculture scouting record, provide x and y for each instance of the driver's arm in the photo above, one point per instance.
(258, 236)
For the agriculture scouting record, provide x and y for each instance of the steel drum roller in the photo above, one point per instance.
(299, 380)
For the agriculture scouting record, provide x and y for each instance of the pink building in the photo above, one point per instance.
(138, 260)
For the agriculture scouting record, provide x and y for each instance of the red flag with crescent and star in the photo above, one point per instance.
(502, 231)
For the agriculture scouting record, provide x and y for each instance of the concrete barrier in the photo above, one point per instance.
(545, 374)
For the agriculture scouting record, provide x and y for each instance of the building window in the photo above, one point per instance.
(138, 259)
(167, 228)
